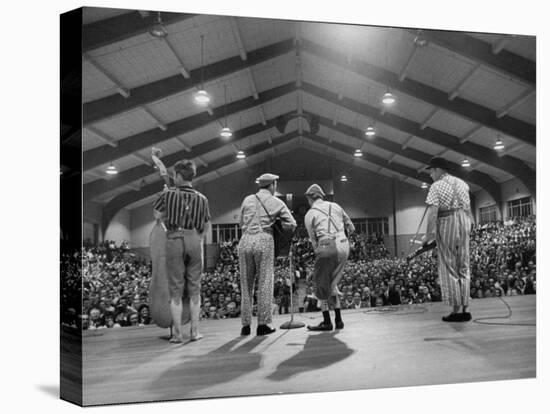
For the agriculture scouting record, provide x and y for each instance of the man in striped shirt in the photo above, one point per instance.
(185, 214)
(449, 223)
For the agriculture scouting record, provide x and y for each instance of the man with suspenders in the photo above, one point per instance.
(449, 223)
(326, 220)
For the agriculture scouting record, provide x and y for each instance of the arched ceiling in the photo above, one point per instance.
(455, 95)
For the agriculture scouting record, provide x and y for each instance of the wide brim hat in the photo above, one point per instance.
(438, 162)
(266, 179)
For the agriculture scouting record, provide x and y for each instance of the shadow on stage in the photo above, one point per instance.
(193, 373)
(320, 351)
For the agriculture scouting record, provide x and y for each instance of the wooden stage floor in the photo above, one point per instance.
(396, 347)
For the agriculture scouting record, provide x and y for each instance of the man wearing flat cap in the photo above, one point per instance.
(326, 221)
(449, 223)
(256, 251)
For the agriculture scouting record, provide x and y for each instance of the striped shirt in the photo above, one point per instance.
(183, 207)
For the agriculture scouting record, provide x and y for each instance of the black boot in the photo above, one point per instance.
(453, 317)
(338, 319)
(264, 330)
(245, 330)
(466, 316)
(326, 325)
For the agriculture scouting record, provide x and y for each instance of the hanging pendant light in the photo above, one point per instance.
(111, 170)
(388, 98)
(370, 132)
(226, 131)
(499, 145)
(424, 186)
(343, 178)
(465, 163)
(158, 30)
(241, 155)
(358, 153)
(201, 96)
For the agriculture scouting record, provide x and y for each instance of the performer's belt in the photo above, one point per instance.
(180, 233)
(446, 213)
(340, 237)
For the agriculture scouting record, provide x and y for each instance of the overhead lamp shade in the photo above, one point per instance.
(499, 145)
(424, 186)
(465, 163)
(388, 98)
(241, 155)
(111, 170)
(158, 31)
(202, 97)
(358, 153)
(226, 132)
(343, 178)
(370, 132)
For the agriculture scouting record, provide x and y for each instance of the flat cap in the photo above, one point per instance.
(315, 189)
(438, 162)
(266, 179)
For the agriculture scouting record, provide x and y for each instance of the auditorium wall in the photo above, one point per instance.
(119, 228)
(510, 190)
(92, 213)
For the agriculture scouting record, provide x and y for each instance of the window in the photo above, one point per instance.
(488, 214)
(225, 232)
(369, 226)
(520, 207)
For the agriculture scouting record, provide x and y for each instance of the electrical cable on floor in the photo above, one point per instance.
(479, 320)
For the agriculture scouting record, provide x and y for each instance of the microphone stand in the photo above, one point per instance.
(291, 324)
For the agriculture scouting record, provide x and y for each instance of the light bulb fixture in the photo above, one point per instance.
(424, 186)
(226, 132)
(241, 155)
(388, 98)
(358, 153)
(158, 30)
(111, 170)
(370, 132)
(201, 96)
(420, 40)
(257, 181)
(465, 163)
(343, 178)
(499, 145)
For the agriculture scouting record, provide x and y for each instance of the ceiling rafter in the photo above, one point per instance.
(456, 90)
(466, 109)
(126, 198)
(480, 51)
(182, 69)
(97, 156)
(124, 26)
(476, 177)
(98, 187)
(112, 105)
(121, 90)
(103, 137)
(488, 156)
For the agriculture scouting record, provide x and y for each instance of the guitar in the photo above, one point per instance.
(422, 249)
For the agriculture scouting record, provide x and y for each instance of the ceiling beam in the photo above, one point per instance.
(161, 125)
(469, 134)
(499, 45)
(182, 69)
(124, 199)
(124, 26)
(480, 51)
(103, 137)
(97, 156)
(112, 105)
(407, 65)
(456, 91)
(238, 38)
(466, 109)
(515, 103)
(373, 159)
(475, 177)
(407, 142)
(99, 187)
(121, 90)
(488, 156)
(144, 160)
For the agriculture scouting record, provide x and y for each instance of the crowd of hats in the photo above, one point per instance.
(115, 282)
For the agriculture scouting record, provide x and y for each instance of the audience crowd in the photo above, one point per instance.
(115, 282)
